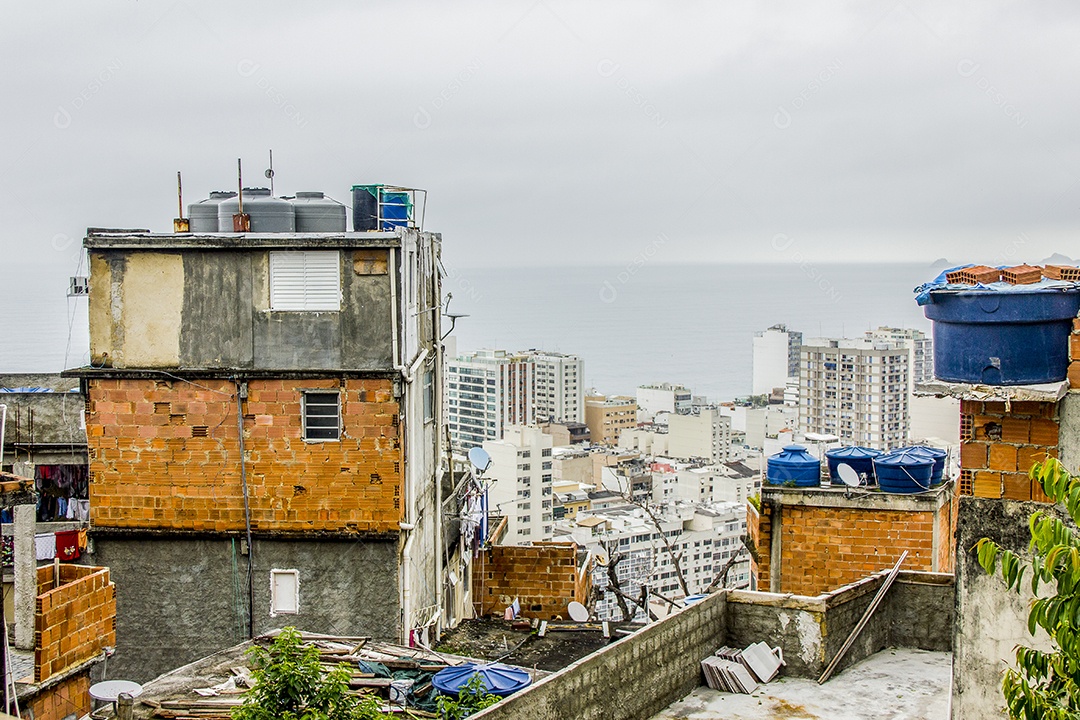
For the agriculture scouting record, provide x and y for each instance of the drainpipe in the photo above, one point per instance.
(406, 589)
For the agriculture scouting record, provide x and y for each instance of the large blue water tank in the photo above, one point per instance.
(937, 455)
(861, 460)
(903, 471)
(1002, 338)
(794, 465)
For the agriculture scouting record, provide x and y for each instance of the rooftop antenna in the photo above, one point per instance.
(180, 223)
(270, 172)
(240, 221)
(453, 317)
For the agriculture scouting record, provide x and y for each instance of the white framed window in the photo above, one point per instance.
(322, 415)
(284, 592)
(305, 280)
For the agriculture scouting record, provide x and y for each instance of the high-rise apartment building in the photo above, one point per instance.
(776, 358)
(664, 397)
(559, 386)
(521, 491)
(607, 417)
(487, 391)
(855, 389)
(921, 346)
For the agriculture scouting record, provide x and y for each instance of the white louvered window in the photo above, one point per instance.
(305, 280)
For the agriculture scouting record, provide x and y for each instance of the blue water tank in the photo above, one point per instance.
(1002, 338)
(498, 679)
(794, 465)
(937, 455)
(903, 471)
(861, 460)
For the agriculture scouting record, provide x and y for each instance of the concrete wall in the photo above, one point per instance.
(633, 678)
(990, 622)
(210, 309)
(47, 425)
(180, 599)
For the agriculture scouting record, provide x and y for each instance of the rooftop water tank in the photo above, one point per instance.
(995, 337)
(317, 213)
(935, 454)
(203, 215)
(378, 207)
(268, 214)
(498, 679)
(861, 460)
(903, 471)
(794, 465)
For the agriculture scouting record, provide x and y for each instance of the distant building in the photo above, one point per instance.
(559, 386)
(921, 346)
(487, 391)
(706, 436)
(776, 358)
(607, 417)
(567, 433)
(856, 389)
(522, 488)
(665, 397)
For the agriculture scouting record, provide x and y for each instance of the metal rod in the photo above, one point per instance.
(247, 511)
(239, 187)
(271, 172)
(865, 618)
(179, 196)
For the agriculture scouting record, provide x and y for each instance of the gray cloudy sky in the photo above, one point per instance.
(561, 131)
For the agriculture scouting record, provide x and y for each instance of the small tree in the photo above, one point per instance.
(1045, 685)
(290, 685)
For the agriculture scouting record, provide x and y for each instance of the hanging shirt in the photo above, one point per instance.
(67, 545)
(45, 546)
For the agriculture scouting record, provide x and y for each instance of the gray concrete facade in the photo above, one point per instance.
(181, 598)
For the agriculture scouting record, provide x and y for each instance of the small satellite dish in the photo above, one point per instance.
(577, 611)
(848, 475)
(480, 459)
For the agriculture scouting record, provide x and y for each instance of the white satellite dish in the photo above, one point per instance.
(480, 459)
(577, 611)
(848, 475)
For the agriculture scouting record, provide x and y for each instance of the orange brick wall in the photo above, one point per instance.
(998, 447)
(822, 549)
(544, 578)
(74, 622)
(68, 697)
(759, 528)
(1074, 355)
(165, 455)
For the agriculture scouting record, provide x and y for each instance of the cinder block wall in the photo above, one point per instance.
(999, 444)
(165, 455)
(75, 620)
(543, 577)
(632, 678)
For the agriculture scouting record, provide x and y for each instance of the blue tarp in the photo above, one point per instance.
(923, 292)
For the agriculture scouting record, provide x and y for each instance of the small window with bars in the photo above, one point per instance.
(302, 280)
(322, 416)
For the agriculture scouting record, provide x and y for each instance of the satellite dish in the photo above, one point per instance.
(480, 459)
(577, 611)
(848, 475)
(601, 558)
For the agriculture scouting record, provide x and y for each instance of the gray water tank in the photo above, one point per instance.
(203, 215)
(317, 213)
(268, 214)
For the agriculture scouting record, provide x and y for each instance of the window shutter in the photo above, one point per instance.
(305, 280)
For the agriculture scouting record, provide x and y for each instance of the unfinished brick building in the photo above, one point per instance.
(264, 435)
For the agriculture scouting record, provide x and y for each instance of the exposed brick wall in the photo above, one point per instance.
(823, 548)
(543, 577)
(70, 696)
(1074, 355)
(999, 444)
(73, 622)
(165, 455)
(759, 527)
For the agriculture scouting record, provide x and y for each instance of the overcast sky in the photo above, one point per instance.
(560, 132)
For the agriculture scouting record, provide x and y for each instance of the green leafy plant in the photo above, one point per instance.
(472, 697)
(1044, 687)
(290, 685)
(755, 500)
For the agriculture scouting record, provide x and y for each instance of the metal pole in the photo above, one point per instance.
(240, 394)
(3, 433)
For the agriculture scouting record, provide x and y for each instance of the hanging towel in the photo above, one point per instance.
(67, 545)
(82, 541)
(45, 546)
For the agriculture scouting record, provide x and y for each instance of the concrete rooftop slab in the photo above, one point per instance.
(894, 684)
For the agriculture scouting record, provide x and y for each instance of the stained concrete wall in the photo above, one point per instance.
(57, 419)
(632, 678)
(179, 599)
(990, 622)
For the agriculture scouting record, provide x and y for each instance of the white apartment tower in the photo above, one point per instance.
(776, 358)
(664, 397)
(559, 390)
(921, 347)
(856, 389)
(521, 471)
(486, 392)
